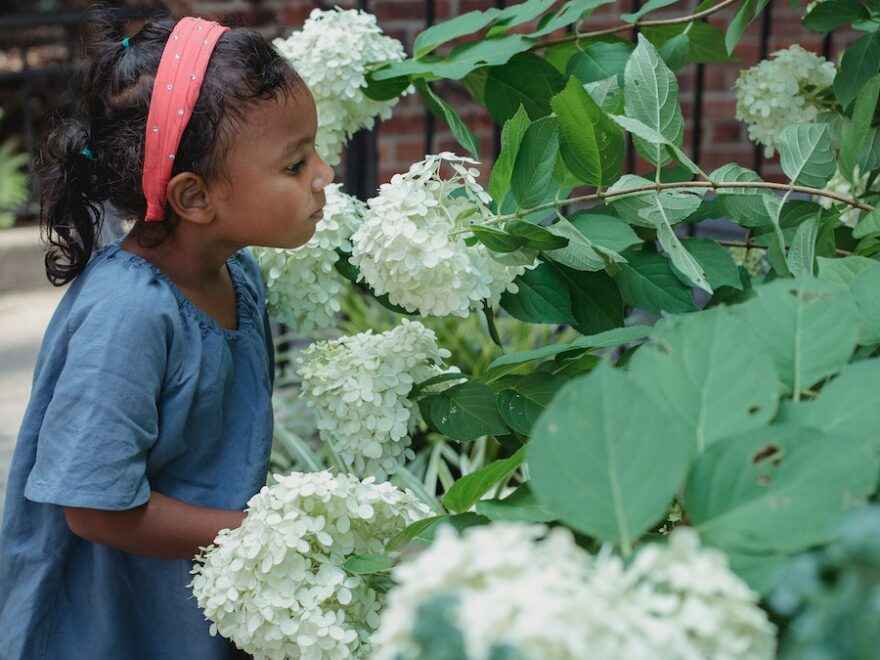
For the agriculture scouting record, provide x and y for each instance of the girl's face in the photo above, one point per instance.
(275, 180)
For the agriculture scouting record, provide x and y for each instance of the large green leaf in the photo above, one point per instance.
(844, 271)
(699, 368)
(592, 146)
(651, 96)
(604, 230)
(856, 131)
(542, 297)
(682, 260)
(807, 326)
(830, 14)
(511, 138)
(801, 257)
(650, 208)
(596, 303)
(782, 488)
(602, 469)
(650, 136)
(600, 60)
(520, 506)
(465, 412)
(746, 206)
(648, 7)
(866, 291)
(705, 41)
(860, 62)
(579, 253)
(526, 80)
(869, 224)
(471, 487)
(646, 281)
(717, 263)
(523, 402)
(607, 94)
(446, 112)
(533, 169)
(806, 154)
(607, 339)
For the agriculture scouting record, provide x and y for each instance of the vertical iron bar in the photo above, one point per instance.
(828, 45)
(430, 125)
(766, 27)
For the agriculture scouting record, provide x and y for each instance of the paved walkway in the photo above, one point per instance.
(23, 319)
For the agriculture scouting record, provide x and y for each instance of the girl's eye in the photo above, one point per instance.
(296, 167)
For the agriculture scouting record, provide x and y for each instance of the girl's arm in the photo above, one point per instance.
(163, 527)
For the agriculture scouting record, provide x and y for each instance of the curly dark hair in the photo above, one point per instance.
(110, 119)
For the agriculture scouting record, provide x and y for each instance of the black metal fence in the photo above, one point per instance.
(23, 87)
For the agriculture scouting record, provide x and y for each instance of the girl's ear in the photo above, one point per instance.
(188, 196)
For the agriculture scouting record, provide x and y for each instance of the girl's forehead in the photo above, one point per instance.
(273, 123)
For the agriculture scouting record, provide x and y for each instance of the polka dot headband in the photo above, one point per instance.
(175, 92)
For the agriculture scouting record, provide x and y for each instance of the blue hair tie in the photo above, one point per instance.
(85, 151)
(125, 43)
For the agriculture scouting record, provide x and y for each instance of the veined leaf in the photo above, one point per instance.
(856, 130)
(446, 112)
(650, 208)
(860, 62)
(681, 259)
(806, 154)
(511, 138)
(651, 136)
(607, 94)
(471, 487)
(569, 13)
(533, 169)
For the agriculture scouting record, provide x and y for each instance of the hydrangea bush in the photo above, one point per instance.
(358, 387)
(720, 393)
(278, 587)
(332, 53)
(304, 287)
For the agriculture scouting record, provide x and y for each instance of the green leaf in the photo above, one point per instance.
(807, 326)
(849, 406)
(520, 506)
(511, 138)
(747, 12)
(744, 205)
(865, 290)
(602, 469)
(715, 259)
(843, 271)
(650, 208)
(522, 403)
(367, 564)
(607, 94)
(533, 169)
(860, 62)
(592, 146)
(595, 300)
(600, 60)
(466, 412)
(471, 487)
(606, 231)
(869, 224)
(536, 236)
(649, 136)
(446, 112)
(651, 96)
(699, 368)
(782, 488)
(579, 253)
(801, 256)
(568, 13)
(542, 297)
(705, 41)
(831, 14)
(648, 7)
(423, 530)
(855, 132)
(806, 154)
(438, 34)
(682, 260)
(496, 240)
(526, 80)
(608, 339)
(646, 281)
(385, 90)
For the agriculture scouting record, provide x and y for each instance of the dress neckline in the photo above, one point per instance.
(205, 320)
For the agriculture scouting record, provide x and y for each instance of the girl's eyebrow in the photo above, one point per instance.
(293, 146)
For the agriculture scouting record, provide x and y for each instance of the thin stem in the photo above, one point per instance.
(751, 246)
(672, 186)
(629, 26)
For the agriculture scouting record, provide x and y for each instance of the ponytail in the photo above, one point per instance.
(71, 206)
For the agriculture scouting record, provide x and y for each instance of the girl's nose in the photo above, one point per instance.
(324, 179)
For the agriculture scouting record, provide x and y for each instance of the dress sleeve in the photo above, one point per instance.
(102, 419)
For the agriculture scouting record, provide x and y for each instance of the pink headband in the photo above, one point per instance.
(175, 92)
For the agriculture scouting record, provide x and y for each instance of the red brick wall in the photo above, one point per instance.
(401, 138)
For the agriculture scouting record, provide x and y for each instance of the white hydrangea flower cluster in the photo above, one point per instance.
(549, 600)
(838, 184)
(275, 585)
(358, 387)
(303, 286)
(332, 54)
(404, 247)
(781, 91)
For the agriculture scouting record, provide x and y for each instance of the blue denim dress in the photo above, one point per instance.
(135, 389)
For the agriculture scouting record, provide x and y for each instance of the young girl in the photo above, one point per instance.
(150, 423)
